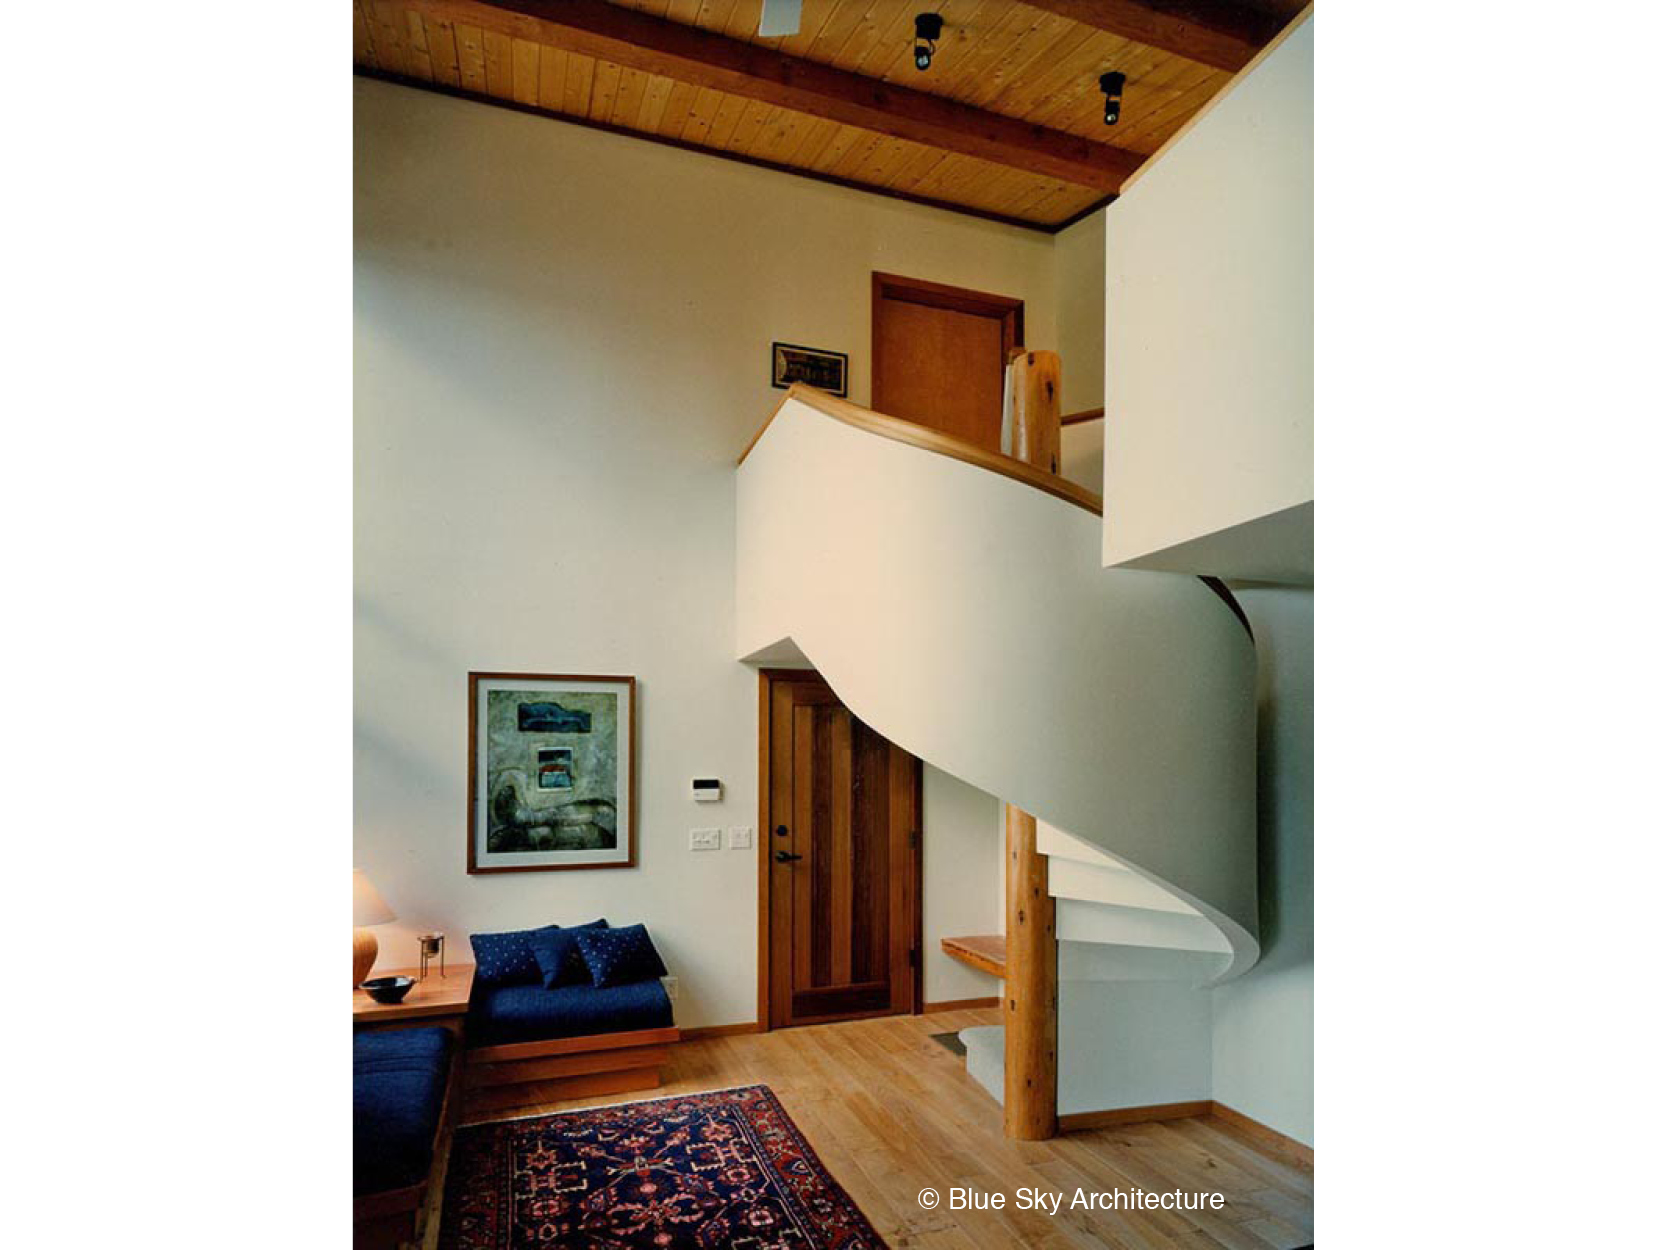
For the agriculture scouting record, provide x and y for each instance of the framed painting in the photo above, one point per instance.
(828, 371)
(552, 772)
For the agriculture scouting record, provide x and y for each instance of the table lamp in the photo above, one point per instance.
(368, 909)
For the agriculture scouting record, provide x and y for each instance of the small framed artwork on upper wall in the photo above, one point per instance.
(552, 772)
(825, 370)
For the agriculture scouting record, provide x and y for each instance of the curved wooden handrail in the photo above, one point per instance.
(916, 435)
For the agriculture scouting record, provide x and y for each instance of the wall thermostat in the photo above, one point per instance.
(707, 789)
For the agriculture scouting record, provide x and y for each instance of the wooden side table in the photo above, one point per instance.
(441, 1000)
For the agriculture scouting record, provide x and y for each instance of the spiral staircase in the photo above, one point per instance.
(956, 602)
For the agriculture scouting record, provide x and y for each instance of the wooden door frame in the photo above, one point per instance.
(1010, 311)
(767, 676)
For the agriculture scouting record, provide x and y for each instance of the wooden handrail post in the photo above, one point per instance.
(1030, 1102)
(1033, 401)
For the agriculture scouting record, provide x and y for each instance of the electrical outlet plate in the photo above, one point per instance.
(740, 837)
(706, 839)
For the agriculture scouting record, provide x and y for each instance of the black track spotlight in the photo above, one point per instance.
(1112, 84)
(928, 26)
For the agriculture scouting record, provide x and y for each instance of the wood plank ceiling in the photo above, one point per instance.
(1006, 123)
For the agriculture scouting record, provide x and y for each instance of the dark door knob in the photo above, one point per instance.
(786, 857)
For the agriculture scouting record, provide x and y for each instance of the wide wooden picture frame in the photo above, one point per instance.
(552, 772)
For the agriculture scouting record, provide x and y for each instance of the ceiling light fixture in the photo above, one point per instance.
(1112, 84)
(928, 26)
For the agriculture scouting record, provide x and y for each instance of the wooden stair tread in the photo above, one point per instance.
(985, 951)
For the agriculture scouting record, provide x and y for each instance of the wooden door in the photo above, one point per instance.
(940, 355)
(840, 870)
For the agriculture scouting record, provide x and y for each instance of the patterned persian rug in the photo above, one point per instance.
(703, 1171)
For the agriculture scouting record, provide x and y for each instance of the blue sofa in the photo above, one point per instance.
(531, 1044)
(400, 1081)
(503, 1014)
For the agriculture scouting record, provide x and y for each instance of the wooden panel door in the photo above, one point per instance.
(940, 355)
(841, 874)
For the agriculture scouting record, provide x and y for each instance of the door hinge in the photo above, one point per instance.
(914, 958)
(914, 839)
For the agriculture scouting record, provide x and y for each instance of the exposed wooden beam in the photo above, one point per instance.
(1223, 35)
(653, 45)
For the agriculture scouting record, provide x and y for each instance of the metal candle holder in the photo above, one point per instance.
(431, 946)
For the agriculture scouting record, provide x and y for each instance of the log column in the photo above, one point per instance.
(1030, 1103)
(1030, 1099)
(1033, 401)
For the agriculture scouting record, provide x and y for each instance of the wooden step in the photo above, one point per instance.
(987, 952)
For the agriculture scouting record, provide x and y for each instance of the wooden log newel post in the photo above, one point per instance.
(1033, 403)
(1030, 1102)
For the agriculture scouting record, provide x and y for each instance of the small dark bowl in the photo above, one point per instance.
(388, 989)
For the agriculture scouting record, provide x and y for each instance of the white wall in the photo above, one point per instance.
(1082, 452)
(1264, 1022)
(561, 345)
(1079, 259)
(1132, 1044)
(1210, 338)
(965, 860)
(1080, 280)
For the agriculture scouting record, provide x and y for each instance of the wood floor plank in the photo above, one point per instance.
(890, 1112)
(1220, 1138)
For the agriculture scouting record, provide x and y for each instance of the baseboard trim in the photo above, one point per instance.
(721, 1030)
(1080, 1120)
(1288, 1148)
(959, 1004)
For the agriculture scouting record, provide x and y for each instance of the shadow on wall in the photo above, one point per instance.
(1283, 620)
(397, 775)
(395, 635)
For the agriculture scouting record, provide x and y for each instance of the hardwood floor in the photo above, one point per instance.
(891, 1112)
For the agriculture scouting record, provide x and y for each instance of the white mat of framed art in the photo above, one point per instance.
(552, 772)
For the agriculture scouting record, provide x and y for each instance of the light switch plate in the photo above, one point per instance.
(706, 839)
(740, 837)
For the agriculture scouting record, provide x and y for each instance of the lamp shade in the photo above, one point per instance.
(368, 907)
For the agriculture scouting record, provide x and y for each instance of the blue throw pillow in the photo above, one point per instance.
(619, 956)
(557, 953)
(506, 958)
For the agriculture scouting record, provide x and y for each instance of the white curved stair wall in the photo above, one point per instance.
(1118, 940)
(1113, 886)
(1098, 961)
(1076, 921)
(965, 616)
